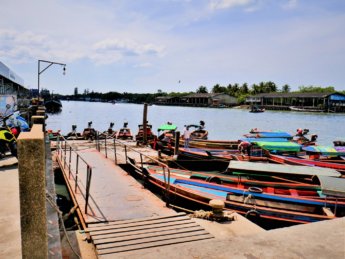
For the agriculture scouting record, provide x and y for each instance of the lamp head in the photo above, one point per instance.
(64, 70)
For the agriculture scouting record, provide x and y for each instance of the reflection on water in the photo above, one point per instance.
(222, 124)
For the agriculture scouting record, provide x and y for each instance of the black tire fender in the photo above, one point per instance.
(254, 189)
(254, 214)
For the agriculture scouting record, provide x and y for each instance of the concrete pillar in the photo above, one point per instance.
(40, 112)
(38, 119)
(31, 166)
(42, 108)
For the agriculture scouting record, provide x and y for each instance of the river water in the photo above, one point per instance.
(222, 124)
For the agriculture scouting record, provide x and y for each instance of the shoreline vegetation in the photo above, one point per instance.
(240, 92)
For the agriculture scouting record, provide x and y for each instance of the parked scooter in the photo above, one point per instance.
(8, 141)
(18, 122)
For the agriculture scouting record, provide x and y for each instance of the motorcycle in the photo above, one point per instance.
(8, 141)
(16, 121)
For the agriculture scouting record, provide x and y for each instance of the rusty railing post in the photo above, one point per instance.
(126, 154)
(105, 147)
(115, 156)
(76, 174)
(69, 162)
(88, 184)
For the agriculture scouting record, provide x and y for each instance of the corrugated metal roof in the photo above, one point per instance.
(204, 95)
(10, 75)
(289, 95)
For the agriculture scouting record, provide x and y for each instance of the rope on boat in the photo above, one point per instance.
(252, 213)
(209, 215)
(249, 197)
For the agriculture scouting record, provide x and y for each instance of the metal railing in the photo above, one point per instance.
(65, 152)
(115, 143)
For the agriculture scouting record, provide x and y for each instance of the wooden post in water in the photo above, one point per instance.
(32, 189)
(145, 124)
(177, 142)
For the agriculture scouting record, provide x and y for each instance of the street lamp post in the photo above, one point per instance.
(50, 63)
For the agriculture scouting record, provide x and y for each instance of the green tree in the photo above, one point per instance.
(202, 89)
(76, 91)
(219, 89)
(316, 89)
(286, 88)
(270, 87)
(244, 89)
(255, 89)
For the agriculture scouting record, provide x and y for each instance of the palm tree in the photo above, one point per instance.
(202, 89)
(286, 88)
(244, 89)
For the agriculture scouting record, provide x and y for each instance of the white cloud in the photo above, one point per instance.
(124, 48)
(226, 4)
(143, 65)
(291, 4)
(23, 47)
(127, 47)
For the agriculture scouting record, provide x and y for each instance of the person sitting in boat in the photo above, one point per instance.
(313, 138)
(110, 129)
(167, 136)
(245, 146)
(202, 125)
(299, 132)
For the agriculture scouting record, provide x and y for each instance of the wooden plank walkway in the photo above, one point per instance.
(131, 235)
(114, 195)
(122, 216)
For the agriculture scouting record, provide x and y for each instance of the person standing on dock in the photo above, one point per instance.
(186, 136)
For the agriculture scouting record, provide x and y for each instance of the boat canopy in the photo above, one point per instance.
(325, 150)
(264, 139)
(277, 169)
(279, 146)
(332, 186)
(277, 134)
(167, 127)
(340, 149)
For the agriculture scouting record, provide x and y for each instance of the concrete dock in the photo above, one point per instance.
(234, 239)
(10, 241)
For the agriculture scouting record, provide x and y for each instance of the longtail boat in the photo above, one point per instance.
(201, 159)
(325, 150)
(286, 171)
(212, 144)
(294, 208)
(292, 160)
(273, 134)
(124, 132)
(237, 179)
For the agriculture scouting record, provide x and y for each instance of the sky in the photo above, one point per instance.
(142, 46)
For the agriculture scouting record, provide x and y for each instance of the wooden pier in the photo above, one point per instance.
(131, 235)
(118, 214)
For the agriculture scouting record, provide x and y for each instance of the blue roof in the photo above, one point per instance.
(264, 139)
